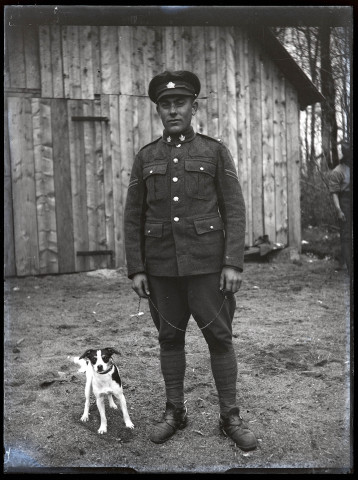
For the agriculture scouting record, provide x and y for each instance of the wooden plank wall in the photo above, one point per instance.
(71, 177)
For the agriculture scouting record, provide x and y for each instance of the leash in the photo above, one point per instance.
(139, 313)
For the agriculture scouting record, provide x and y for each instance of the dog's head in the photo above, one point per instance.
(100, 360)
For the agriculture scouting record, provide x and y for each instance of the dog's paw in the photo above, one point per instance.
(84, 417)
(102, 430)
(129, 425)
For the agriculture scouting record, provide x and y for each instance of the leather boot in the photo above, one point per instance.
(233, 426)
(174, 418)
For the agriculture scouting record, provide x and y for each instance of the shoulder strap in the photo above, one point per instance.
(151, 143)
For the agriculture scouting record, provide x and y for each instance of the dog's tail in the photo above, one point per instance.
(81, 362)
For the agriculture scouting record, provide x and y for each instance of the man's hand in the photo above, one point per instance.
(341, 216)
(230, 279)
(140, 285)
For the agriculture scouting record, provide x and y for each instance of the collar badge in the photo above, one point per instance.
(169, 139)
(170, 85)
(182, 138)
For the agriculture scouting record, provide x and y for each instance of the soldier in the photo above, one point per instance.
(339, 187)
(185, 239)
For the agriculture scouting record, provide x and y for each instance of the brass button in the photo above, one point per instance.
(211, 226)
(175, 160)
(175, 179)
(176, 199)
(201, 168)
(176, 219)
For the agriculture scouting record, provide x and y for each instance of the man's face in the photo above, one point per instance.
(175, 112)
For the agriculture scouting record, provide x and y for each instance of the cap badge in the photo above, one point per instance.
(170, 85)
(182, 138)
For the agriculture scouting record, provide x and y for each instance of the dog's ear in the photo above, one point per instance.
(112, 351)
(86, 354)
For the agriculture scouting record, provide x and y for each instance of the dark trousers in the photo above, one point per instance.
(174, 299)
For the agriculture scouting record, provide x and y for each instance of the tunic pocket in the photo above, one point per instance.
(207, 225)
(156, 181)
(153, 230)
(199, 178)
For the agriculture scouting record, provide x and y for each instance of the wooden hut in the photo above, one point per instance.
(77, 111)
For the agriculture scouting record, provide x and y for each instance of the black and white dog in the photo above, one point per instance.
(102, 376)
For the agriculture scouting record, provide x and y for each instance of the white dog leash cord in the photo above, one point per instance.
(180, 329)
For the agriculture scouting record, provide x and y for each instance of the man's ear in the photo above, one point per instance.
(194, 108)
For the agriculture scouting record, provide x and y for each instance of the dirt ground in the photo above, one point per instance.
(292, 339)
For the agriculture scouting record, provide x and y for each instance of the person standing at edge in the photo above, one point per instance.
(339, 187)
(185, 238)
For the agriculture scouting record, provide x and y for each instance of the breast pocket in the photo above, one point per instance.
(155, 177)
(199, 178)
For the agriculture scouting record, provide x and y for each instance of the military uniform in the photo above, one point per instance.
(185, 213)
(185, 221)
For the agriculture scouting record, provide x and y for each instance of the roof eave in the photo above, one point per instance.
(307, 93)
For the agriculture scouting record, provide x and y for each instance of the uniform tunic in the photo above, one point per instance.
(185, 212)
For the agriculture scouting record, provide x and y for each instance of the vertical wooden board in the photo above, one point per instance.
(149, 55)
(45, 189)
(177, 48)
(23, 186)
(90, 172)
(141, 104)
(63, 190)
(159, 65)
(114, 113)
(280, 156)
(110, 44)
(86, 59)
(96, 60)
(16, 57)
(244, 165)
(9, 241)
(32, 56)
(103, 262)
(293, 168)
(221, 71)
(65, 60)
(136, 69)
(74, 63)
(247, 133)
(107, 174)
(188, 48)
(45, 61)
(168, 48)
(124, 59)
(56, 61)
(78, 185)
(268, 165)
(232, 127)
(212, 81)
(200, 122)
(256, 140)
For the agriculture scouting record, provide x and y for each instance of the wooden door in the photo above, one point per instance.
(61, 181)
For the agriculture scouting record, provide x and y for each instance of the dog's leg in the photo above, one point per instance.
(102, 412)
(123, 403)
(111, 402)
(85, 415)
